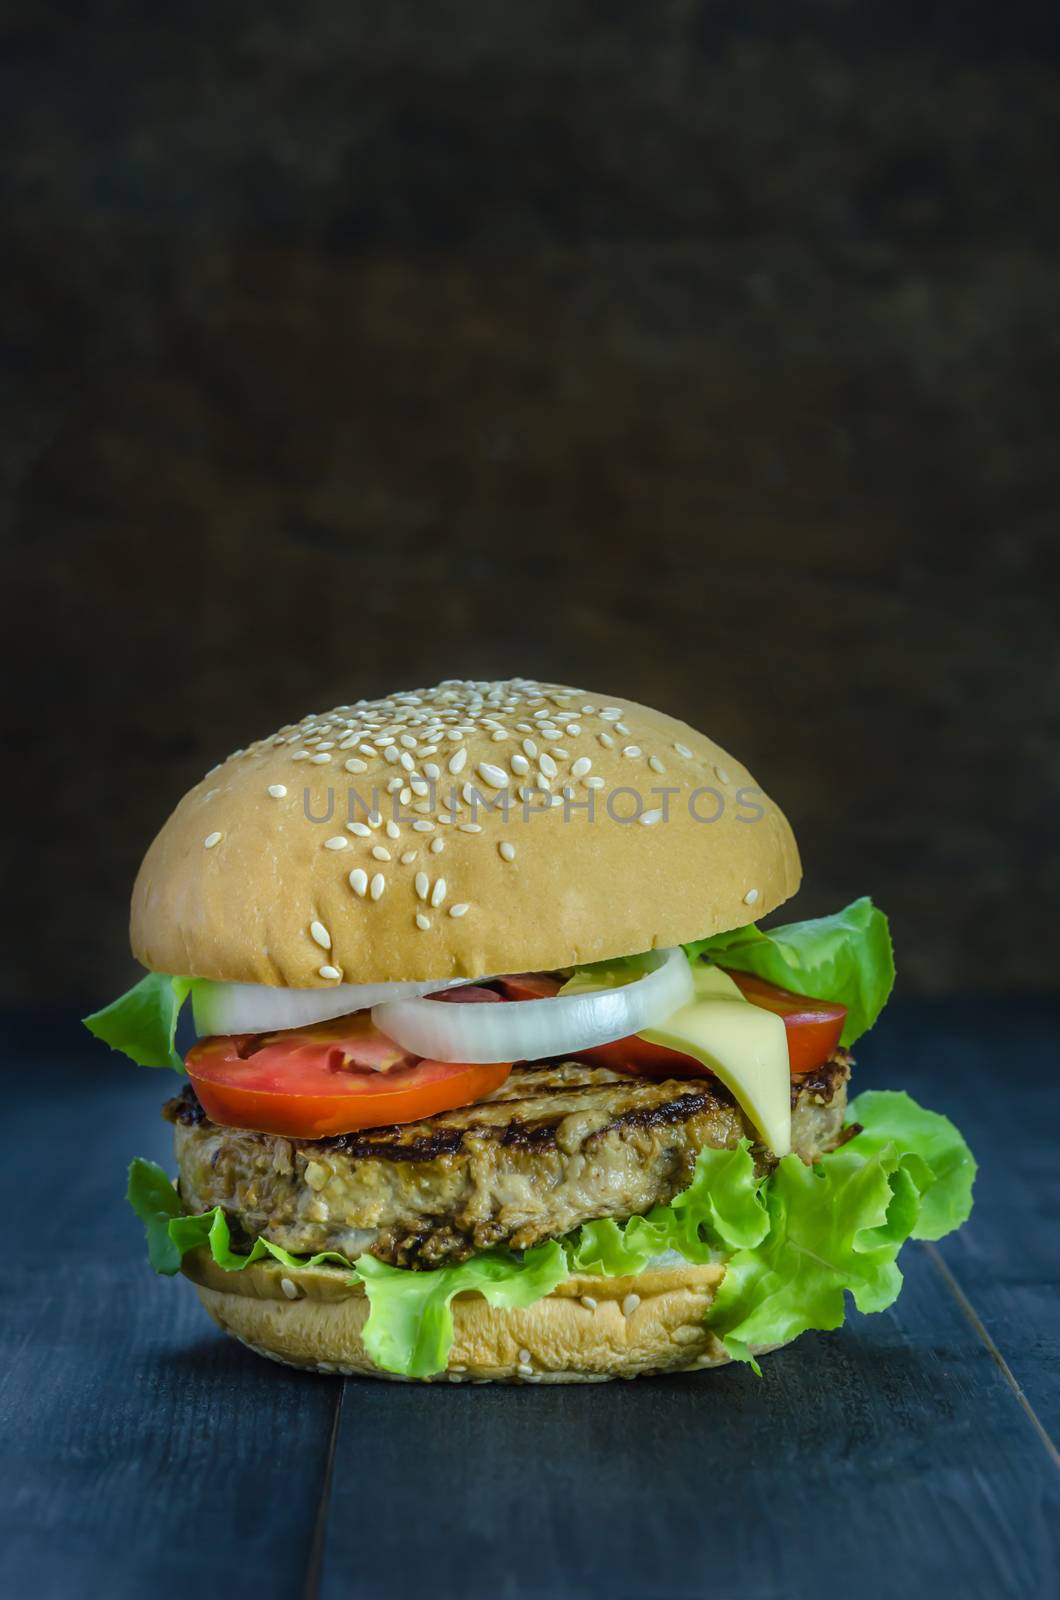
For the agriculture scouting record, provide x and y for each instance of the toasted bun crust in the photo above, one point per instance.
(588, 1330)
(241, 885)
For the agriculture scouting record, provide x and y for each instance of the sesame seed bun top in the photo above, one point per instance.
(467, 829)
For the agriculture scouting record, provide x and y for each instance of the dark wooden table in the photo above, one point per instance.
(909, 1454)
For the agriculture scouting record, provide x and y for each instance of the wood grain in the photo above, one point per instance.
(144, 1453)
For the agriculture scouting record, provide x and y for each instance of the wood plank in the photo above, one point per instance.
(994, 1067)
(144, 1453)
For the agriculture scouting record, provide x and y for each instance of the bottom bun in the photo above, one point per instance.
(588, 1330)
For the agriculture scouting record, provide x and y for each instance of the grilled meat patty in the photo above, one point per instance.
(555, 1146)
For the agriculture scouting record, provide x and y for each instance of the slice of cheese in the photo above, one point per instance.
(743, 1045)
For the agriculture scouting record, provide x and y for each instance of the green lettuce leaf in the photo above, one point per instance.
(934, 1154)
(830, 1231)
(846, 958)
(170, 1234)
(794, 1243)
(410, 1325)
(142, 1023)
(410, 1322)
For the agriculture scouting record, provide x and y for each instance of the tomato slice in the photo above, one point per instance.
(334, 1077)
(646, 1060)
(529, 986)
(813, 1027)
(468, 994)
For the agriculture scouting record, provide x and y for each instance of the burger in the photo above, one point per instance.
(495, 1075)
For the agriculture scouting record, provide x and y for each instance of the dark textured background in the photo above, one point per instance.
(702, 352)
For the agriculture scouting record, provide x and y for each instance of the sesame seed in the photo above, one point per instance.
(422, 826)
(359, 881)
(421, 884)
(419, 787)
(524, 1357)
(594, 783)
(407, 761)
(336, 842)
(459, 910)
(395, 784)
(377, 885)
(438, 893)
(631, 750)
(299, 755)
(430, 770)
(470, 827)
(355, 764)
(392, 830)
(277, 790)
(750, 897)
(289, 1289)
(380, 852)
(361, 829)
(620, 727)
(630, 1304)
(368, 750)
(319, 760)
(422, 922)
(318, 932)
(610, 713)
(391, 753)
(581, 767)
(496, 777)
(524, 1370)
(498, 735)
(520, 764)
(721, 775)
(408, 741)
(588, 1302)
(530, 747)
(409, 857)
(655, 764)
(437, 845)
(548, 766)
(211, 839)
(606, 740)
(507, 850)
(328, 971)
(683, 750)
(649, 818)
